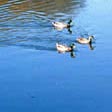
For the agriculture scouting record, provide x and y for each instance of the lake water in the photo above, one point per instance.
(34, 77)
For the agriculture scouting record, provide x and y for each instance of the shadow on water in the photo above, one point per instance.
(27, 23)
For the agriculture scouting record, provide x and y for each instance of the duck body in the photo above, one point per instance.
(84, 40)
(63, 48)
(61, 25)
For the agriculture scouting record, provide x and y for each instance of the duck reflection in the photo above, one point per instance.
(69, 30)
(91, 46)
(72, 54)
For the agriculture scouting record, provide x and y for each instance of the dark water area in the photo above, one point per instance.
(34, 77)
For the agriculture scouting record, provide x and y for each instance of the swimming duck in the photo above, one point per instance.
(63, 48)
(61, 25)
(85, 40)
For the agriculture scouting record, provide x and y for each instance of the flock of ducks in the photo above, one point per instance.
(81, 40)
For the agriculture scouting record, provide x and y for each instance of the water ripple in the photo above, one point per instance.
(27, 23)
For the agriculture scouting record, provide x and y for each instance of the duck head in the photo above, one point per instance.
(69, 22)
(72, 46)
(91, 37)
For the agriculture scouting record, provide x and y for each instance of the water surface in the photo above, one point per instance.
(34, 77)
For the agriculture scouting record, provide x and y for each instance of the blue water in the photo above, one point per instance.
(34, 77)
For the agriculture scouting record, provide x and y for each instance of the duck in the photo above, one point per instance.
(64, 48)
(61, 25)
(85, 40)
